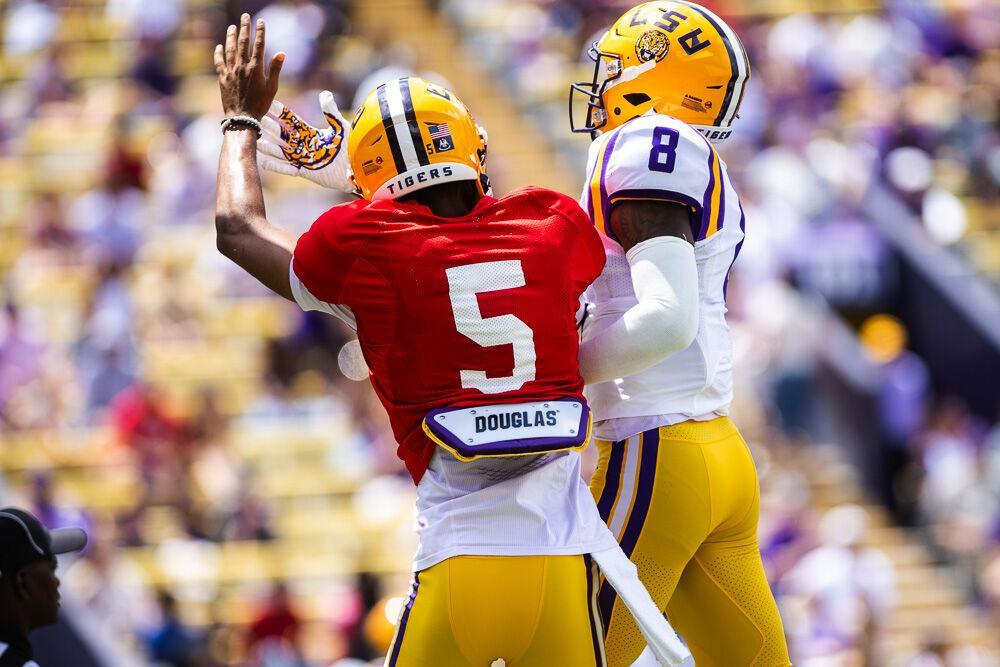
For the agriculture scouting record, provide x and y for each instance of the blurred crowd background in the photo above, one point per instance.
(225, 451)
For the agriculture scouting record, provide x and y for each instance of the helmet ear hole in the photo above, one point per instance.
(635, 99)
(618, 111)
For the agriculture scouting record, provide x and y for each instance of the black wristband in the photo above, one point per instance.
(241, 122)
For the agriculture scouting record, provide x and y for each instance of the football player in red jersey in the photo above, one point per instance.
(464, 306)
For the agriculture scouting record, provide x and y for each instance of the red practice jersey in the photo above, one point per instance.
(457, 312)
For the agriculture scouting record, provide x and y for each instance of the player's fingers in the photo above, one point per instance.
(257, 55)
(278, 166)
(243, 42)
(328, 103)
(274, 71)
(231, 45)
(330, 111)
(277, 108)
(219, 58)
(268, 148)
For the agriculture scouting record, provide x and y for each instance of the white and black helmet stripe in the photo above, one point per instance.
(737, 60)
(390, 132)
(411, 121)
(400, 125)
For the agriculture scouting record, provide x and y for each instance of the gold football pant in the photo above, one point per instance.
(684, 502)
(475, 611)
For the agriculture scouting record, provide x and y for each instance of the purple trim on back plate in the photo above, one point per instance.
(513, 447)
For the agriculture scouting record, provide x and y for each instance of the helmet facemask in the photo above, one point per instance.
(484, 179)
(607, 68)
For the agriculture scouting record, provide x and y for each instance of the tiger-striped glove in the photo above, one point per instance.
(293, 147)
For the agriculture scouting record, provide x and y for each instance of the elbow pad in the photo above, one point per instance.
(663, 321)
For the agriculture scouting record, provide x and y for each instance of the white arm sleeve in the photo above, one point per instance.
(664, 321)
(307, 301)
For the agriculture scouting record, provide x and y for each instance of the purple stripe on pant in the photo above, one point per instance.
(398, 644)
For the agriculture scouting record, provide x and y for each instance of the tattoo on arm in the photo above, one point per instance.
(636, 221)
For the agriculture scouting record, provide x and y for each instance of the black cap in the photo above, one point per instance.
(24, 540)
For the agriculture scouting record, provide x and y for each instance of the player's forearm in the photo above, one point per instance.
(239, 200)
(663, 322)
(243, 233)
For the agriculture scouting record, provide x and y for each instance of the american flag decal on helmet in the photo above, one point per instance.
(441, 137)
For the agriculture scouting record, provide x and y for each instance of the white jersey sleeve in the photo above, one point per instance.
(307, 301)
(659, 158)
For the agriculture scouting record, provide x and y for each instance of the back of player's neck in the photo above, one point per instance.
(449, 203)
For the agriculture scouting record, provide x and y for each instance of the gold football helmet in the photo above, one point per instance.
(410, 134)
(676, 58)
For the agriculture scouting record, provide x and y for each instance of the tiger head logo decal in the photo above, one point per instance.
(305, 146)
(652, 45)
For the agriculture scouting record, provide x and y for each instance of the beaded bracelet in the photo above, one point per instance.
(242, 121)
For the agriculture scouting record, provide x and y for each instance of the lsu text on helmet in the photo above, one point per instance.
(410, 134)
(676, 58)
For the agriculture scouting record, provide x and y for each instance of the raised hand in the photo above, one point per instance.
(296, 148)
(247, 90)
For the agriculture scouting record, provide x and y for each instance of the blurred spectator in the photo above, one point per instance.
(903, 392)
(949, 455)
(47, 81)
(273, 636)
(43, 504)
(842, 588)
(52, 240)
(111, 586)
(157, 20)
(172, 642)
(110, 217)
(36, 383)
(111, 376)
(20, 360)
(182, 190)
(140, 420)
(294, 26)
(152, 69)
(29, 26)
(249, 520)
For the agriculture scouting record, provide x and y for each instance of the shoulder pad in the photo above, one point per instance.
(657, 158)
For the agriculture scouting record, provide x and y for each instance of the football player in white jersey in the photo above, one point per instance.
(675, 480)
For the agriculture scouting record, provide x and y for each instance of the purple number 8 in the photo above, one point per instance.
(664, 154)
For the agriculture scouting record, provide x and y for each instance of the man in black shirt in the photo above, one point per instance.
(29, 588)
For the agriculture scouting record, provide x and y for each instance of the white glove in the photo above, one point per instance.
(293, 147)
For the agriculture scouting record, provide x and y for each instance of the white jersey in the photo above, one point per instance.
(657, 157)
(506, 506)
(503, 506)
